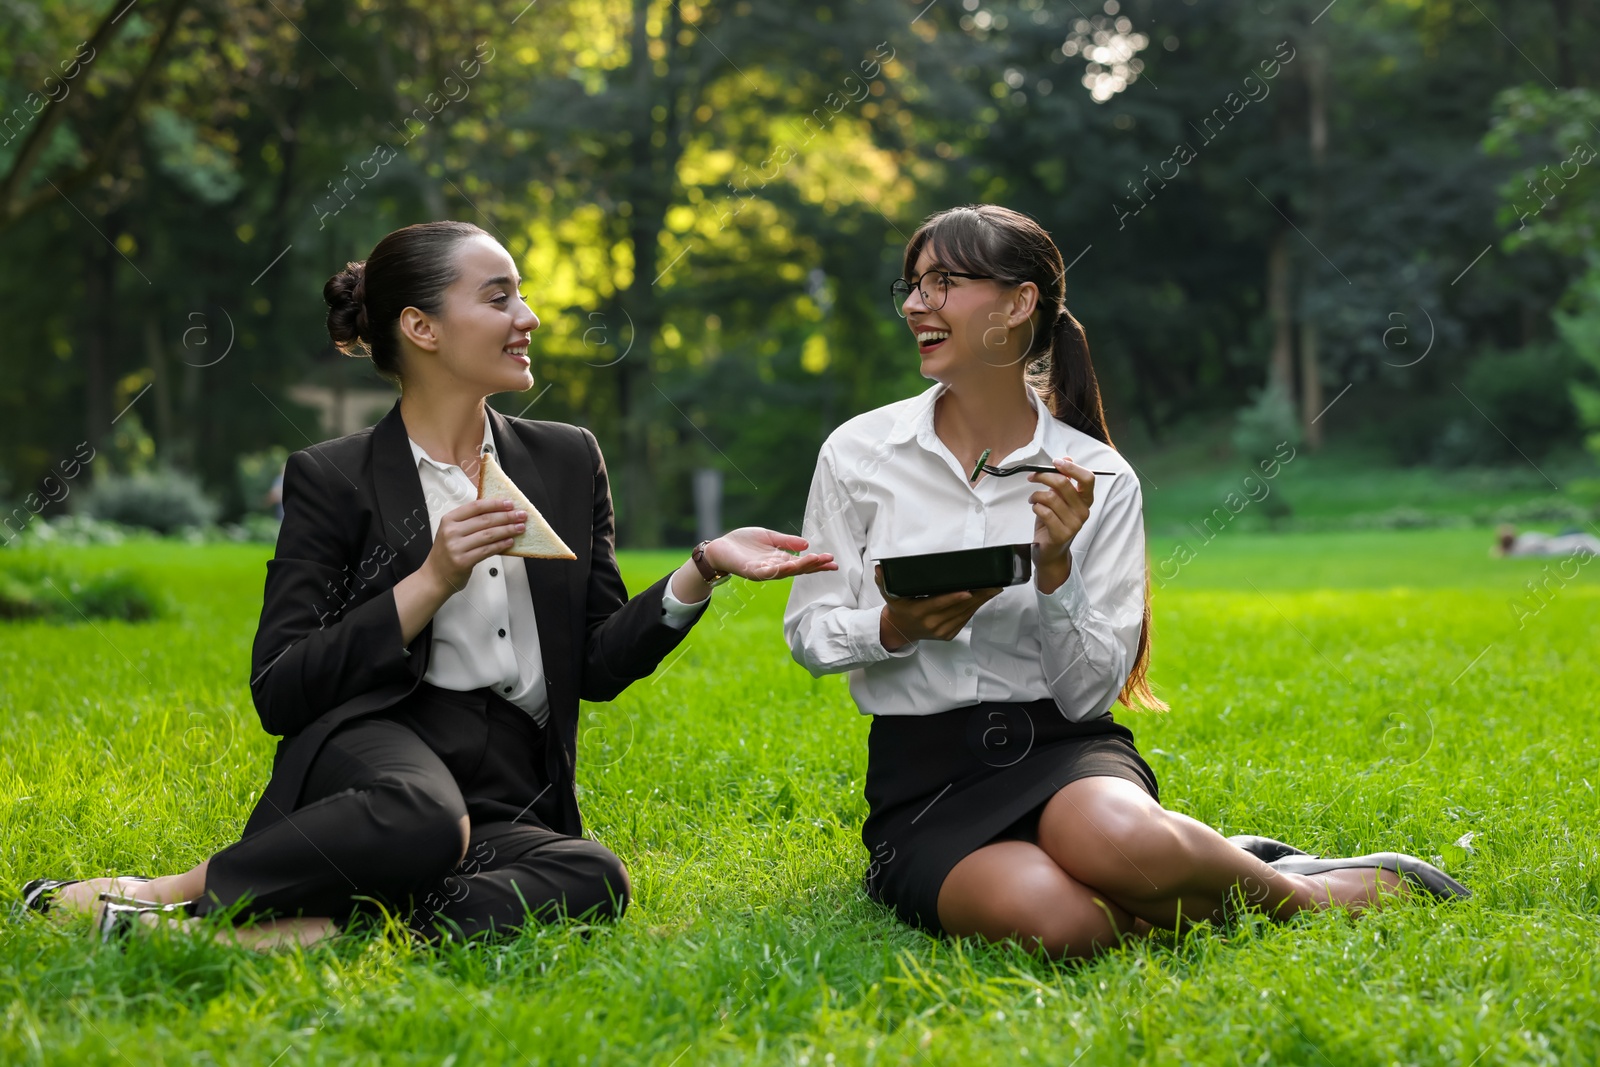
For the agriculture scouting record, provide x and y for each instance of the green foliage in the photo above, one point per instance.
(78, 530)
(1267, 422)
(31, 588)
(200, 168)
(1347, 487)
(696, 167)
(1520, 405)
(1553, 201)
(1578, 322)
(131, 449)
(162, 500)
(256, 472)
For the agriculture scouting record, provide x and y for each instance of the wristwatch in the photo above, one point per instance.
(707, 571)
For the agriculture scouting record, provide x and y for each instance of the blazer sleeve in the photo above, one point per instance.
(325, 636)
(624, 640)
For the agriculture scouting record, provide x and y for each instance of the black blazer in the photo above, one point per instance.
(355, 523)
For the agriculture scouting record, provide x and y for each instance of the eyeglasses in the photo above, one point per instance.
(934, 296)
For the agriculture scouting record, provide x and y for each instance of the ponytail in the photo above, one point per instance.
(1069, 384)
(1067, 381)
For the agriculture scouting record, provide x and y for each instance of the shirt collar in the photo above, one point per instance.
(917, 422)
(422, 457)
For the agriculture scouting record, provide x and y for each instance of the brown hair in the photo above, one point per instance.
(411, 267)
(1012, 248)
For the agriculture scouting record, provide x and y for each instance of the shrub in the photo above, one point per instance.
(1578, 323)
(33, 590)
(255, 473)
(260, 528)
(76, 530)
(162, 500)
(1265, 423)
(1524, 407)
(1545, 509)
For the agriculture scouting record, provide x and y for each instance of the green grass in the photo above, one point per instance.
(1191, 474)
(1347, 691)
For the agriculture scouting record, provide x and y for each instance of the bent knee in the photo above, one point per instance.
(1110, 844)
(601, 887)
(1032, 911)
(1034, 925)
(575, 879)
(428, 827)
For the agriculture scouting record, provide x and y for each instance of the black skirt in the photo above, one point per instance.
(941, 786)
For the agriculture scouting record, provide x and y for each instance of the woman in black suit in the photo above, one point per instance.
(426, 686)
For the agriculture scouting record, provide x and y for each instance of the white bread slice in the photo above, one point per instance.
(537, 540)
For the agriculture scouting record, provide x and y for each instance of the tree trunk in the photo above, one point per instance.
(638, 520)
(1317, 123)
(97, 294)
(1563, 42)
(1280, 373)
(654, 151)
(1147, 381)
(1310, 386)
(161, 382)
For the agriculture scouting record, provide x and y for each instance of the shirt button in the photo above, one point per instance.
(502, 633)
(969, 672)
(493, 571)
(508, 689)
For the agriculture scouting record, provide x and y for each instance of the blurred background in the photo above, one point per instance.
(1362, 232)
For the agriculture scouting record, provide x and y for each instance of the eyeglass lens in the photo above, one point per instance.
(934, 286)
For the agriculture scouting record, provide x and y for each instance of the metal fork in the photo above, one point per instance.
(985, 467)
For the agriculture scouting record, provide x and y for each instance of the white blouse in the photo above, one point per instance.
(486, 634)
(886, 485)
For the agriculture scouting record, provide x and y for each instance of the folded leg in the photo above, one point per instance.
(380, 816)
(515, 872)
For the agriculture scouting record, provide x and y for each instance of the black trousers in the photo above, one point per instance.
(378, 827)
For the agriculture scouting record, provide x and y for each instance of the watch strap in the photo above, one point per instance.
(707, 571)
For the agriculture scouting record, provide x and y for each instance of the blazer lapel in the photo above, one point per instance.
(401, 506)
(549, 580)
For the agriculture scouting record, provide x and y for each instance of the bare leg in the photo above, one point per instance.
(168, 889)
(277, 933)
(263, 937)
(1012, 889)
(1167, 868)
(172, 888)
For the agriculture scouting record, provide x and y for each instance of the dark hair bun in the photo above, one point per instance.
(345, 294)
(409, 268)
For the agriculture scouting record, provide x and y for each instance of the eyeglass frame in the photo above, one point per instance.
(915, 285)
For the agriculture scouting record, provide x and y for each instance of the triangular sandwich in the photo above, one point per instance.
(537, 540)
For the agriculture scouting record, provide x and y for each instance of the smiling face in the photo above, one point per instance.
(982, 327)
(479, 337)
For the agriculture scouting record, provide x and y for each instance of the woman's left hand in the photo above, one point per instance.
(1060, 509)
(761, 555)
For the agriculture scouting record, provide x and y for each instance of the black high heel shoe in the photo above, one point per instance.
(1419, 873)
(119, 916)
(1264, 848)
(40, 893)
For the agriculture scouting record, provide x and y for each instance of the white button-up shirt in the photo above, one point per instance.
(886, 485)
(486, 633)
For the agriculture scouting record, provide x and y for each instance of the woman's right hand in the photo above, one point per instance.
(940, 618)
(469, 535)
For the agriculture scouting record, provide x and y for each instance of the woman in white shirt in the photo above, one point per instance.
(1004, 800)
(426, 682)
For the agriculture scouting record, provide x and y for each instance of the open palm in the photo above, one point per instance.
(761, 555)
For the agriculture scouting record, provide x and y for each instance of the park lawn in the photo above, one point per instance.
(1348, 692)
(1188, 480)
